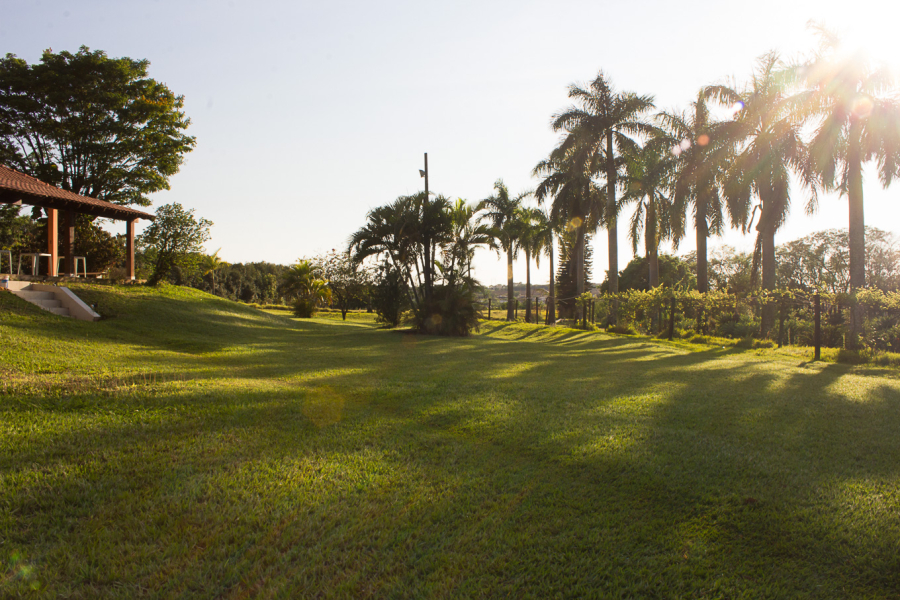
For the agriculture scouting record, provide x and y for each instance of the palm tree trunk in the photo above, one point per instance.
(510, 310)
(702, 235)
(551, 300)
(768, 274)
(651, 245)
(857, 231)
(611, 227)
(579, 266)
(527, 286)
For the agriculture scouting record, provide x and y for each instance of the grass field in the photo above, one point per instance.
(187, 446)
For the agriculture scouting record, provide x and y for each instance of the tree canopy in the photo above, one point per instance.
(90, 124)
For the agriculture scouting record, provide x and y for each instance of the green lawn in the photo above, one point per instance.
(187, 446)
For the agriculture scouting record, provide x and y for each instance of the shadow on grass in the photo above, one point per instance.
(372, 464)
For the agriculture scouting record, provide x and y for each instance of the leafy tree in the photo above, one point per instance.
(176, 237)
(567, 278)
(501, 210)
(389, 294)
(729, 270)
(90, 124)
(348, 281)
(821, 261)
(674, 273)
(15, 229)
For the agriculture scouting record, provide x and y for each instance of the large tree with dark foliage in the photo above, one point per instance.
(90, 124)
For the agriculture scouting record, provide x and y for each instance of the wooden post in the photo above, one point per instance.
(817, 337)
(69, 242)
(672, 318)
(129, 248)
(489, 308)
(517, 309)
(52, 241)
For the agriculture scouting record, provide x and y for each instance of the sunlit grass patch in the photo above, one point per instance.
(189, 446)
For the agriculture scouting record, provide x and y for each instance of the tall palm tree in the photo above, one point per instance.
(702, 147)
(500, 211)
(858, 122)
(771, 148)
(605, 121)
(407, 231)
(532, 224)
(577, 200)
(467, 235)
(211, 264)
(544, 234)
(647, 180)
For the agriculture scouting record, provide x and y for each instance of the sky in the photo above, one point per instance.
(309, 114)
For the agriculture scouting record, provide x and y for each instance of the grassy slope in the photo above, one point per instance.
(191, 446)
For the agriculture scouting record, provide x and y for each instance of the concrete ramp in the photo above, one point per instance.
(58, 300)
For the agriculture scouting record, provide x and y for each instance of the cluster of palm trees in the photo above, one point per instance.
(730, 158)
(431, 243)
(733, 154)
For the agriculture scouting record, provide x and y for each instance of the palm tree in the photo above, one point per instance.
(858, 123)
(303, 282)
(467, 235)
(577, 200)
(500, 211)
(532, 224)
(543, 235)
(702, 147)
(647, 180)
(407, 231)
(772, 147)
(211, 264)
(604, 122)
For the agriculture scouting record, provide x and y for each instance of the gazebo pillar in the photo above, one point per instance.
(69, 242)
(129, 247)
(53, 241)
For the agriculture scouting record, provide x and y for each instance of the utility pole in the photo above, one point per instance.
(427, 240)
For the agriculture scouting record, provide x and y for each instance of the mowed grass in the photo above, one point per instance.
(187, 446)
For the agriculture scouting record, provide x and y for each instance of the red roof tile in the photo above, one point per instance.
(14, 181)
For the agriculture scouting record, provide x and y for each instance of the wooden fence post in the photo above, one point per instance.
(672, 318)
(818, 331)
(489, 308)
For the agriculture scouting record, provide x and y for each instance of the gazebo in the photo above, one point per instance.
(18, 188)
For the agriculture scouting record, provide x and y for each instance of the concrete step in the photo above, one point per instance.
(32, 296)
(48, 304)
(58, 300)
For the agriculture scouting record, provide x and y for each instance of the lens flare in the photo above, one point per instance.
(575, 223)
(703, 140)
(676, 150)
(737, 107)
(862, 107)
(685, 144)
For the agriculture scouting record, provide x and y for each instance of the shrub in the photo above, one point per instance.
(452, 311)
(304, 308)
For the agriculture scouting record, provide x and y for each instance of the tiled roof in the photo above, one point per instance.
(14, 181)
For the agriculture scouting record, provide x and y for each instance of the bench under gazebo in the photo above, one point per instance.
(18, 189)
